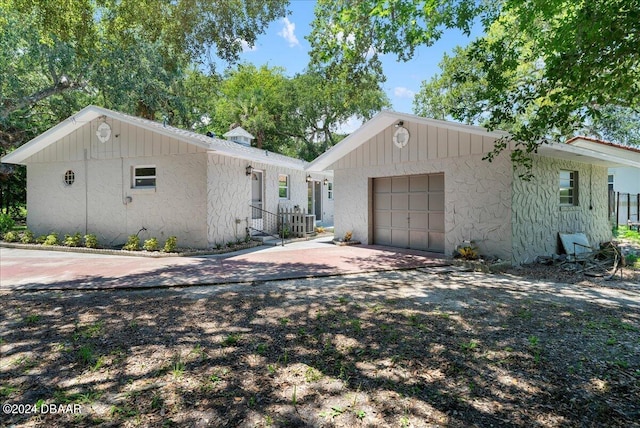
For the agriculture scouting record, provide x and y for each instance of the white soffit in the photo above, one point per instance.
(619, 157)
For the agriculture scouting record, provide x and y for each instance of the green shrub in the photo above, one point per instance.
(51, 239)
(91, 241)
(74, 240)
(11, 236)
(151, 244)
(6, 223)
(170, 245)
(40, 239)
(133, 243)
(27, 237)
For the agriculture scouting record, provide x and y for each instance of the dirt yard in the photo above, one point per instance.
(408, 348)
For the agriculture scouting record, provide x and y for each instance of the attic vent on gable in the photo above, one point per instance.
(240, 136)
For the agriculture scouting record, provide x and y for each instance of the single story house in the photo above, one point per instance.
(412, 182)
(113, 175)
(624, 181)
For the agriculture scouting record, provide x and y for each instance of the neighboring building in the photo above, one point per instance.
(112, 174)
(624, 182)
(411, 182)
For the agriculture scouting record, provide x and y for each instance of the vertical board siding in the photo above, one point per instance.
(127, 141)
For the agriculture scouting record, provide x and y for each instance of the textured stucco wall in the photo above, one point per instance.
(538, 216)
(229, 195)
(95, 203)
(477, 200)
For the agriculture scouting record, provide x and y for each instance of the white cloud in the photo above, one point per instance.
(402, 92)
(349, 126)
(246, 47)
(288, 31)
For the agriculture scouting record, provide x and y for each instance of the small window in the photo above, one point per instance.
(330, 190)
(144, 177)
(283, 186)
(568, 187)
(610, 180)
(69, 178)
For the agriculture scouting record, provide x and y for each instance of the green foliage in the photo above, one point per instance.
(6, 223)
(51, 239)
(91, 241)
(151, 244)
(74, 240)
(133, 243)
(27, 237)
(170, 245)
(41, 239)
(11, 236)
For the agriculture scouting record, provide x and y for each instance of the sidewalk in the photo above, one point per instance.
(44, 270)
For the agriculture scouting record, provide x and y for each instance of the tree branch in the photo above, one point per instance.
(64, 85)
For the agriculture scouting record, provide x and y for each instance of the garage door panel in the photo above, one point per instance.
(418, 183)
(400, 184)
(419, 240)
(418, 201)
(382, 185)
(436, 221)
(399, 201)
(436, 242)
(383, 218)
(400, 238)
(436, 183)
(382, 236)
(399, 219)
(418, 220)
(382, 201)
(436, 201)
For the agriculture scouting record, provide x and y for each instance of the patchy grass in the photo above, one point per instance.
(624, 232)
(404, 349)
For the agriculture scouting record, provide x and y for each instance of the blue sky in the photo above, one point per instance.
(284, 45)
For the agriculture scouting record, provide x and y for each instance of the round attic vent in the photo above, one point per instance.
(104, 132)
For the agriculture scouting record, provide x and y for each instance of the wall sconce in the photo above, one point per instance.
(309, 178)
(325, 181)
(249, 169)
(399, 124)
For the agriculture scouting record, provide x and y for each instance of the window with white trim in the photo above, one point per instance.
(283, 186)
(330, 190)
(569, 188)
(144, 177)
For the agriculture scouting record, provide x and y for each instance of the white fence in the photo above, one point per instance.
(298, 222)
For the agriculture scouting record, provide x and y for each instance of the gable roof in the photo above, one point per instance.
(211, 144)
(377, 124)
(238, 131)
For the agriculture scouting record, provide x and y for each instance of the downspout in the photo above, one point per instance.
(86, 192)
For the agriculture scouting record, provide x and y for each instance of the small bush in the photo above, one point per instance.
(51, 239)
(27, 237)
(133, 243)
(91, 241)
(6, 223)
(151, 244)
(170, 245)
(348, 236)
(74, 240)
(11, 236)
(40, 239)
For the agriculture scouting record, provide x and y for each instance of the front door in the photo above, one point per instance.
(257, 194)
(315, 199)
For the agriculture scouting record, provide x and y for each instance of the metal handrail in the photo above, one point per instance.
(272, 224)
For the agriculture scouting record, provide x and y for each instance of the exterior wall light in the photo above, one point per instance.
(249, 169)
(325, 181)
(309, 180)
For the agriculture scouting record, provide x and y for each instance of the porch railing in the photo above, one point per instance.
(266, 222)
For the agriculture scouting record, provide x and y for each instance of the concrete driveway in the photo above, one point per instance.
(49, 270)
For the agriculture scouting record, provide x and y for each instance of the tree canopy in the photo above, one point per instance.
(545, 69)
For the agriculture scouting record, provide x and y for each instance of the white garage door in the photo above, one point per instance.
(408, 212)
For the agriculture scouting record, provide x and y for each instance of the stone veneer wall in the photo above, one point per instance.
(538, 216)
(477, 200)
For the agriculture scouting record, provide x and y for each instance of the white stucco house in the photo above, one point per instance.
(411, 182)
(624, 181)
(112, 174)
